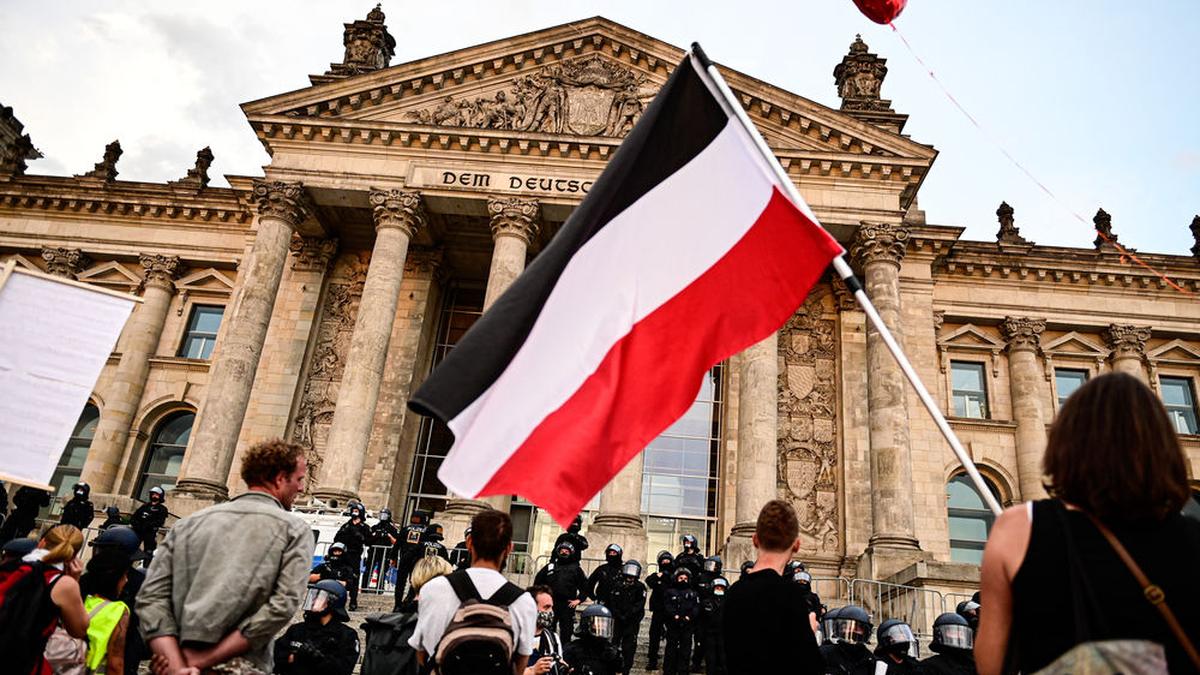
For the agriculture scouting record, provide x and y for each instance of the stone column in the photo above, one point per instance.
(64, 262)
(398, 216)
(1128, 345)
(757, 447)
(124, 395)
(1027, 382)
(619, 520)
(281, 208)
(878, 249)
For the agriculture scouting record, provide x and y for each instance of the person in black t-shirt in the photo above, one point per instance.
(765, 621)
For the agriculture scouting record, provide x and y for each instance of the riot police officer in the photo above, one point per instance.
(894, 643)
(847, 630)
(409, 544)
(568, 586)
(682, 606)
(27, 501)
(969, 610)
(658, 584)
(606, 574)
(112, 517)
(333, 567)
(954, 643)
(572, 535)
(384, 538)
(149, 518)
(79, 511)
(690, 557)
(460, 556)
(593, 653)
(712, 610)
(627, 600)
(710, 570)
(355, 534)
(322, 644)
(801, 576)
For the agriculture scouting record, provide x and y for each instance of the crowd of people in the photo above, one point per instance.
(1101, 577)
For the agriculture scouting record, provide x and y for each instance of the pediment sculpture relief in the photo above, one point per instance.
(589, 97)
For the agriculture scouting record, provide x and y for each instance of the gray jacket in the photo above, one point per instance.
(242, 564)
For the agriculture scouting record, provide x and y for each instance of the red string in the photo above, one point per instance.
(1126, 254)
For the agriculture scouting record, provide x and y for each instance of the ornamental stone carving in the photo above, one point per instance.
(402, 209)
(1104, 232)
(283, 200)
(1009, 233)
(1195, 227)
(939, 318)
(843, 299)
(1127, 340)
(64, 262)
(423, 262)
(160, 270)
(807, 434)
(197, 176)
(369, 46)
(15, 147)
(106, 169)
(590, 96)
(879, 242)
(311, 254)
(859, 78)
(1023, 333)
(514, 217)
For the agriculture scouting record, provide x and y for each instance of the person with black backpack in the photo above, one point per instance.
(388, 651)
(473, 621)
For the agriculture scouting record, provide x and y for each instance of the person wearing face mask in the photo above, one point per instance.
(954, 644)
(601, 581)
(710, 570)
(355, 534)
(333, 567)
(682, 605)
(894, 641)
(690, 557)
(711, 615)
(322, 644)
(593, 653)
(546, 658)
(573, 536)
(149, 519)
(658, 583)
(797, 573)
(79, 511)
(384, 537)
(627, 600)
(568, 584)
(848, 630)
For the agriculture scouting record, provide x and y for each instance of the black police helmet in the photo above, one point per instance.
(597, 621)
(385, 514)
(157, 491)
(894, 635)
(665, 556)
(746, 566)
(632, 568)
(681, 574)
(434, 532)
(613, 553)
(565, 550)
(969, 610)
(336, 547)
(712, 564)
(82, 490)
(337, 597)
(951, 631)
(112, 511)
(720, 583)
(689, 541)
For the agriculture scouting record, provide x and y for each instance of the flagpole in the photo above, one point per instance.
(734, 108)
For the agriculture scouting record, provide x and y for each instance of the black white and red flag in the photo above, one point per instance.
(685, 251)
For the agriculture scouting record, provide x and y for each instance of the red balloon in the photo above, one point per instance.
(881, 11)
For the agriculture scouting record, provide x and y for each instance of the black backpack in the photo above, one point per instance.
(388, 651)
(26, 613)
(479, 639)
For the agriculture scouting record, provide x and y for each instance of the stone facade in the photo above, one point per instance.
(392, 190)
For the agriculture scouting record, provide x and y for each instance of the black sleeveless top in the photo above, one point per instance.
(1043, 621)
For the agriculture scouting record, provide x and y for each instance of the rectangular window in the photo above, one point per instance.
(1180, 400)
(201, 334)
(969, 389)
(1066, 381)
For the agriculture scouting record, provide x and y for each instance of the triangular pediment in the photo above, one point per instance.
(970, 337)
(210, 281)
(1074, 344)
(585, 80)
(1175, 351)
(111, 274)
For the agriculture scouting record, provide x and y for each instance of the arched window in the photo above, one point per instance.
(970, 519)
(70, 465)
(166, 453)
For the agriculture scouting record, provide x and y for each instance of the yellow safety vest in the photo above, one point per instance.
(104, 620)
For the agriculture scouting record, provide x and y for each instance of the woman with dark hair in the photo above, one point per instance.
(108, 624)
(1052, 578)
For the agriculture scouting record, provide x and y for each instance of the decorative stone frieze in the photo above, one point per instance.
(106, 169)
(1126, 340)
(401, 209)
(1023, 333)
(160, 270)
(514, 217)
(282, 200)
(64, 262)
(1009, 233)
(859, 78)
(311, 254)
(879, 242)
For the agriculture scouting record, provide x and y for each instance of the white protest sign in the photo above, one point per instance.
(55, 337)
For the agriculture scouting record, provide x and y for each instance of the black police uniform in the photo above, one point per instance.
(335, 568)
(147, 521)
(713, 643)
(27, 501)
(704, 587)
(682, 608)
(309, 648)
(355, 536)
(408, 544)
(658, 583)
(112, 518)
(567, 582)
(79, 511)
(627, 602)
(949, 662)
(692, 561)
(848, 658)
(907, 665)
(460, 557)
(577, 540)
(383, 534)
(601, 581)
(590, 655)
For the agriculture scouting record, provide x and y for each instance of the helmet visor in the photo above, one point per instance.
(601, 627)
(954, 636)
(631, 569)
(898, 634)
(318, 601)
(846, 630)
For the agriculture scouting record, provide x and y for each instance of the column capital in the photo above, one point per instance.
(879, 242)
(286, 201)
(1127, 340)
(514, 217)
(1023, 333)
(403, 209)
(160, 270)
(64, 262)
(311, 254)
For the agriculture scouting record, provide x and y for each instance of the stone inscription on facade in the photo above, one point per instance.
(498, 181)
(589, 97)
(808, 400)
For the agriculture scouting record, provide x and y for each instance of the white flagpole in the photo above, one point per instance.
(734, 108)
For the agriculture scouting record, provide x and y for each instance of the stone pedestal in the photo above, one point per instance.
(878, 249)
(619, 520)
(1027, 381)
(398, 215)
(281, 208)
(757, 453)
(457, 517)
(124, 395)
(1128, 345)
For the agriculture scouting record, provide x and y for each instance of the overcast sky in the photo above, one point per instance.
(1099, 99)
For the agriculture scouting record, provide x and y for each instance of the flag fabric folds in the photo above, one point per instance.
(684, 252)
